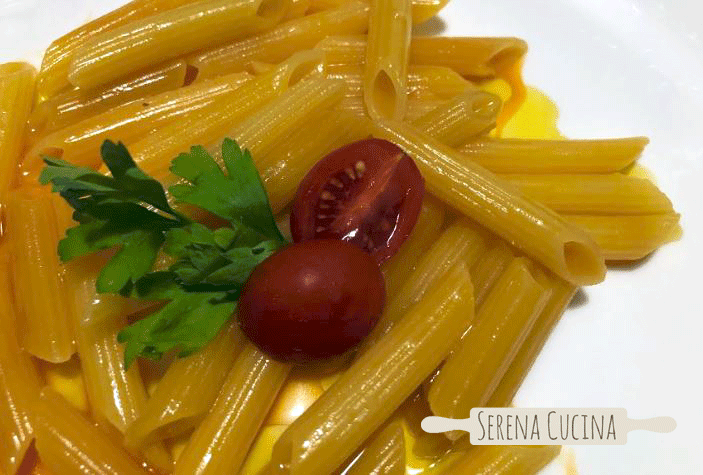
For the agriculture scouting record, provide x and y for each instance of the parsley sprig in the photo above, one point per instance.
(130, 211)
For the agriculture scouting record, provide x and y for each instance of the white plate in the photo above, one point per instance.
(614, 67)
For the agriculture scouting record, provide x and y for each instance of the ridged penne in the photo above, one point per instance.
(69, 444)
(167, 35)
(611, 194)
(471, 113)
(221, 442)
(278, 44)
(74, 105)
(186, 392)
(470, 57)
(387, 59)
(19, 382)
(488, 268)
(422, 10)
(210, 124)
(377, 383)
(53, 75)
(40, 290)
(561, 295)
(554, 156)
(384, 454)
(473, 371)
(504, 460)
(426, 231)
(288, 160)
(629, 238)
(80, 142)
(476, 192)
(16, 95)
(460, 242)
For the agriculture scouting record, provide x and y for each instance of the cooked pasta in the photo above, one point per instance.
(16, 94)
(554, 156)
(505, 460)
(539, 232)
(488, 268)
(387, 57)
(384, 455)
(143, 43)
(422, 10)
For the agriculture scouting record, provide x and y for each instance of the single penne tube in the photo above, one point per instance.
(472, 113)
(426, 231)
(16, 96)
(387, 59)
(186, 392)
(504, 460)
(116, 395)
(384, 454)
(77, 104)
(473, 371)
(422, 10)
(39, 285)
(279, 43)
(611, 194)
(80, 142)
(480, 195)
(488, 268)
(53, 75)
(287, 162)
(417, 108)
(460, 242)
(221, 442)
(68, 443)
(528, 156)
(470, 57)
(629, 238)
(156, 150)
(143, 43)
(19, 382)
(361, 400)
(561, 295)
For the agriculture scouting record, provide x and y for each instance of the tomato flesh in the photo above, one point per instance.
(368, 193)
(312, 300)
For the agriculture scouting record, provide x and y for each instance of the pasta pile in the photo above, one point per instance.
(510, 229)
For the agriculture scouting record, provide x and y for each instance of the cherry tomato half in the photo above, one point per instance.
(368, 193)
(312, 300)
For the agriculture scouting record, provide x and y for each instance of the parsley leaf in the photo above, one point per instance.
(239, 196)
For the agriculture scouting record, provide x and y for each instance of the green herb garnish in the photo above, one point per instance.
(130, 211)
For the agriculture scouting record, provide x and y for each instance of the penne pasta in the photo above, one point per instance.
(221, 442)
(69, 444)
(210, 124)
(384, 455)
(297, 9)
(422, 10)
(471, 113)
(40, 290)
(554, 156)
(74, 105)
(611, 194)
(19, 383)
(460, 242)
(473, 371)
(291, 158)
(80, 142)
(561, 295)
(16, 95)
(629, 238)
(186, 392)
(143, 43)
(479, 58)
(488, 268)
(278, 44)
(504, 460)
(387, 59)
(377, 383)
(476, 192)
(53, 75)
(426, 231)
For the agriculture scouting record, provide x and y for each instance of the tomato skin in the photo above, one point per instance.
(312, 300)
(368, 193)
